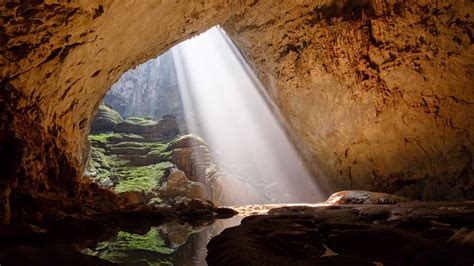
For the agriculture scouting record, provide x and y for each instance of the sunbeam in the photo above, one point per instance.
(226, 104)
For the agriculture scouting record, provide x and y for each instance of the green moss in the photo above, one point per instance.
(185, 141)
(109, 113)
(156, 146)
(143, 121)
(99, 164)
(99, 139)
(142, 178)
(129, 150)
(123, 137)
(129, 144)
(124, 246)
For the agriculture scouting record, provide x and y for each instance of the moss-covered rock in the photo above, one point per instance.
(164, 129)
(149, 170)
(168, 127)
(137, 125)
(185, 141)
(151, 248)
(105, 120)
(119, 138)
(141, 179)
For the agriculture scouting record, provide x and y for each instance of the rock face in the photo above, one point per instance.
(378, 93)
(105, 120)
(136, 162)
(164, 129)
(150, 90)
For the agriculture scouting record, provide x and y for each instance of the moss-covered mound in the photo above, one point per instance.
(151, 248)
(137, 125)
(105, 120)
(164, 129)
(137, 163)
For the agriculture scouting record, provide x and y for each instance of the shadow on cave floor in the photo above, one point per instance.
(340, 232)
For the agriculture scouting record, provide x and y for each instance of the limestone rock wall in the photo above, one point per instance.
(58, 59)
(378, 92)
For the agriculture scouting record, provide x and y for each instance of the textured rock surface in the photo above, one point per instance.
(411, 233)
(379, 92)
(105, 120)
(364, 197)
(149, 90)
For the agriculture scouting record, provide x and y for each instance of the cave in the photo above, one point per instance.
(375, 97)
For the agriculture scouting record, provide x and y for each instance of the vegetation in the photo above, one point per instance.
(100, 139)
(143, 121)
(110, 114)
(142, 178)
(125, 248)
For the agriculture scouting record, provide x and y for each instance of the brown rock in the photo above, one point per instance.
(5, 211)
(378, 93)
(168, 127)
(364, 197)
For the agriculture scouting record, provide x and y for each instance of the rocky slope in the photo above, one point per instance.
(378, 93)
(147, 161)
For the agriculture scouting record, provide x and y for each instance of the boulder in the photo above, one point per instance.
(463, 238)
(185, 142)
(137, 125)
(105, 120)
(130, 198)
(178, 185)
(168, 127)
(364, 197)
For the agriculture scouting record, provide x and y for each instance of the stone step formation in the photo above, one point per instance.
(142, 159)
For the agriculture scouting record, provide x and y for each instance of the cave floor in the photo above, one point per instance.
(412, 233)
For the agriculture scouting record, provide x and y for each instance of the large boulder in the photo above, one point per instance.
(137, 125)
(185, 141)
(168, 127)
(179, 186)
(105, 120)
(364, 197)
(164, 129)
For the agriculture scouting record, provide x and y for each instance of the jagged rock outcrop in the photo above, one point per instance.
(378, 93)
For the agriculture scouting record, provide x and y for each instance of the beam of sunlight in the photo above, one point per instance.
(226, 104)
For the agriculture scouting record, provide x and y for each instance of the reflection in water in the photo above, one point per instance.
(173, 243)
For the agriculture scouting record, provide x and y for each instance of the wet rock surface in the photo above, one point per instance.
(412, 233)
(63, 242)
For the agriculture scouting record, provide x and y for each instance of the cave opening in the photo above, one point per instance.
(194, 123)
(202, 96)
(378, 99)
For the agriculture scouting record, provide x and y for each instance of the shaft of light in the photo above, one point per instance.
(226, 104)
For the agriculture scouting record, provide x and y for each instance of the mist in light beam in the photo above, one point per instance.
(225, 103)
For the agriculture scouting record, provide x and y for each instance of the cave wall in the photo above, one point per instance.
(379, 93)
